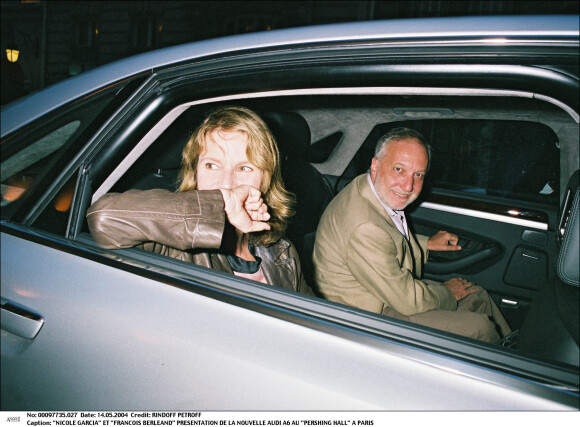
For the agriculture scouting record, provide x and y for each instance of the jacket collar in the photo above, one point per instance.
(272, 252)
(282, 270)
(368, 194)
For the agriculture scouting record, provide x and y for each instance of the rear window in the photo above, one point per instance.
(511, 159)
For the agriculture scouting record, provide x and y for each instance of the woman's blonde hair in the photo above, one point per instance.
(262, 152)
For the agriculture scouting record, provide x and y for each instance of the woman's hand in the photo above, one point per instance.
(245, 209)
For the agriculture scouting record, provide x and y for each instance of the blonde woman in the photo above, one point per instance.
(229, 213)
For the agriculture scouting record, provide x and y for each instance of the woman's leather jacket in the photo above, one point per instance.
(188, 226)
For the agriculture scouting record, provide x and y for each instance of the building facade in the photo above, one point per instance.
(59, 39)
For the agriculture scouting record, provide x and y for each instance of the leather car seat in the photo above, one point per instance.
(313, 192)
(551, 328)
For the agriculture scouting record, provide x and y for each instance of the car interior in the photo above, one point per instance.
(503, 157)
(499, 171)
(551, 328)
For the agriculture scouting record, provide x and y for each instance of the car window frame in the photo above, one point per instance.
(248, 291)
(68, 158)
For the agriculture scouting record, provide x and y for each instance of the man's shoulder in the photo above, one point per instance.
(353, 190)
(352, 206)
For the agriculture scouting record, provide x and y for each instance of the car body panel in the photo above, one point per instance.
(209, 357)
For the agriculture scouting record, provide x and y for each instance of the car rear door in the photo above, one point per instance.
(496, 185)
(511, 257)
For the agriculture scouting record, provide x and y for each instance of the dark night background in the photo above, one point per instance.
(58, 39)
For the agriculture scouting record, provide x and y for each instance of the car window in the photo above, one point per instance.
(511, 159)
(54, 217)
(321, 150)
(31, 153)
(19, 171)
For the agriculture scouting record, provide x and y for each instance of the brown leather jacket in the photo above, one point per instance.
(188, 226)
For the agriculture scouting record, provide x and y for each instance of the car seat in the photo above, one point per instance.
(551, 328)
(159, 166)
(313, 192)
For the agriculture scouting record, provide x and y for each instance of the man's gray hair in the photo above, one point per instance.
(397, 134)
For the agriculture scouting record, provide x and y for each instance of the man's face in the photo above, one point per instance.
(399, 171)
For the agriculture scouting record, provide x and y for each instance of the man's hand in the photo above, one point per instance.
(245, 209)
(443, 241)
(460, 287)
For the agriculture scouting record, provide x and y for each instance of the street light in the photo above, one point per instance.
(12, 53)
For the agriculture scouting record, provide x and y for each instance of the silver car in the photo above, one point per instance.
(84, 328)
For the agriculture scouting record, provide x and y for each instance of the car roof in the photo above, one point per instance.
(28, 108)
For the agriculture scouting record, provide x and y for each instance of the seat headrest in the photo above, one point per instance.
(167, 151)
(568, 260)
(291, 132)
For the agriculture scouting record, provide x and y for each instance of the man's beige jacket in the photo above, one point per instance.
(362, 260)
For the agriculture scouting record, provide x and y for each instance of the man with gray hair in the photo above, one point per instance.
(365, 255)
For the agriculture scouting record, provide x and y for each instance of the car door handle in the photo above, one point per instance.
(20, 320)
(460, 263)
